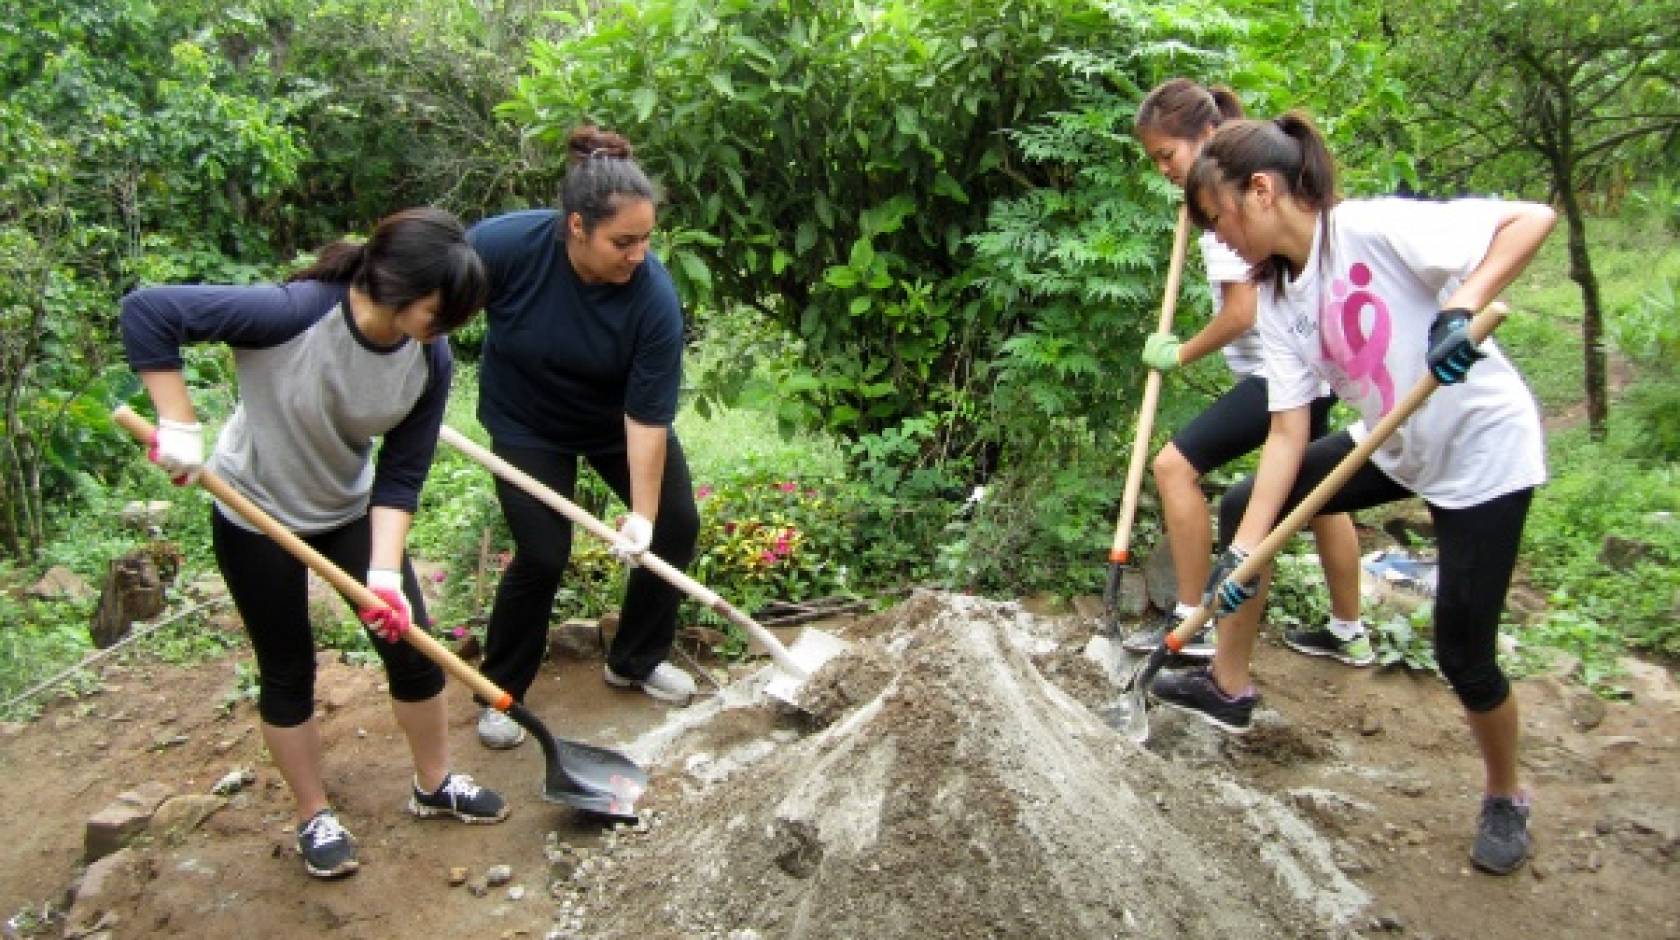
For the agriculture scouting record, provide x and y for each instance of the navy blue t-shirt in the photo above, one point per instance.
(564, 361)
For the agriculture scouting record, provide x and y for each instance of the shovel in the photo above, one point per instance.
(1130, 714)
(593, 779)
(1120, 555)
(795, 665)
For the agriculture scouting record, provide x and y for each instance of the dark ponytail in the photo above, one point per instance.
(410, 255)
(1289, 148)
(601, 167)
(1182, 109)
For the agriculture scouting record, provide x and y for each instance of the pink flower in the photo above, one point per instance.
(790, 487)
(459, 631)
(703, 492)
(768, 558)
(438, 577)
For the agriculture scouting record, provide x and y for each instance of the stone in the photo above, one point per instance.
(457, 876)
(105, 884)
(608, 625)
(1620, 554)
(144, 515)
(1651, 683)
(122, 819)
(60, 584)
(1160, 579)
(498, 875)
(233, 781)
(799, 850)
(180, 815)
(1088, 606)
(576, 639)
(1331, 810)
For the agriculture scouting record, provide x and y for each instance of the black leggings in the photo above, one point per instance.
(1478, 548)
(1236, 424)
(270, 588)
(518, 631)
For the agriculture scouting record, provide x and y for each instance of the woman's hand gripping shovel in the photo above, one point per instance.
(593, 779)
(795, 665)
(1130, 715)
(1120, 554)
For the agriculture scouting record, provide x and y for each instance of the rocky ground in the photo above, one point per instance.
(950, 778)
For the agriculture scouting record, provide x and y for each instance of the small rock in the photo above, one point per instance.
(60, 583)
(498, 875)
(1586, 710)
(516, 893)
(1389, 922)
(478, 887)
(457, 876)
(233, 781)
(1370, 724)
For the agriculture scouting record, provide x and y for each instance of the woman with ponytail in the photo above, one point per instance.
(1173, 123)
(583, 359)
(1367, 295)
(348, 350)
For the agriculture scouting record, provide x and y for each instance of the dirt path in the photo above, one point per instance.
(1023, 805)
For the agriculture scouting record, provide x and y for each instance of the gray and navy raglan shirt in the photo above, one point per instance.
(313, 394)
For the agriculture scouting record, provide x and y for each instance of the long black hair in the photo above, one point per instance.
(1289, 148)
(601, 167)
(410, 255)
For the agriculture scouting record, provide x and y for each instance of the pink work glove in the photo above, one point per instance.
(391, 620)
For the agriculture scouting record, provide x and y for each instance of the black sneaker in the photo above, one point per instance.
(1194, 691)
(1321, 642)
(1153, 631)
(1501, 836)
(459, 797)
(328, 849)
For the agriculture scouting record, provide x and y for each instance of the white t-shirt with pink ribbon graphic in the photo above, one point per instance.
(1358, 317)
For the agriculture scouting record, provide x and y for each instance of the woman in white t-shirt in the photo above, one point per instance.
(1173, 122)
(1351, 293)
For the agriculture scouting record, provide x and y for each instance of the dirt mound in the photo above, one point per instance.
(968, 797)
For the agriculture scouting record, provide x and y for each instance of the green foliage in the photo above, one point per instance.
(824, 165)
(1299, 597)
(1405, 640)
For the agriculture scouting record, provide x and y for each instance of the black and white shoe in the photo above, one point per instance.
(328, 849)
(1194, 691)
(460, 797)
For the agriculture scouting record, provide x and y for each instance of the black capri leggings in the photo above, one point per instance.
(518, 632)
(1478, 548)
(270, 588)
(1236, 424)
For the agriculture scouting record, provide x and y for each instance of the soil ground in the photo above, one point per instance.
(1379, 764)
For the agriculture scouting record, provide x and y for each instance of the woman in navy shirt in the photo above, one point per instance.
(583, 358)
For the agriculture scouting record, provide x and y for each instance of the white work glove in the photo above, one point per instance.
(637, 531)
(178, 447)
(394, 618)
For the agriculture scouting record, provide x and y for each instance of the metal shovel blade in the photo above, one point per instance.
(593, 779)
(809, 653)
(1130, 715)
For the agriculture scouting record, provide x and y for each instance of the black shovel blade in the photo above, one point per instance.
(593, 779)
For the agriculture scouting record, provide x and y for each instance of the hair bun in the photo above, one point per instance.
(589, 142)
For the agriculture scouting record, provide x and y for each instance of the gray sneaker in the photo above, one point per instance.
(1501, 836)
(666, 683)
(328, 849)
(497, 731)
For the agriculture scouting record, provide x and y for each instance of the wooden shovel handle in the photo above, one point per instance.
(354, 591)
(664, 570)
(1121, 552)
(1480, 329)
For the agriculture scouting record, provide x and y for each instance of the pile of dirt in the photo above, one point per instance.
(956, 791)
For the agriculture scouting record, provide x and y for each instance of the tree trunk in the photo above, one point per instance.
(1592, 316)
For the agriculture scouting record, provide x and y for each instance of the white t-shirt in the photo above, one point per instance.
(1224, 266)
(1358, 316)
